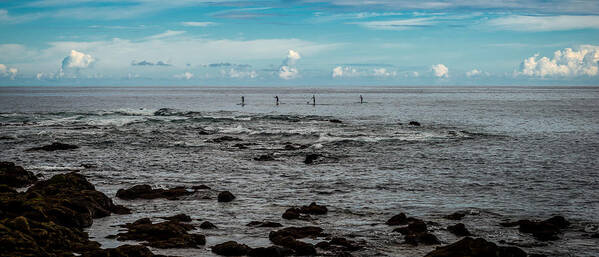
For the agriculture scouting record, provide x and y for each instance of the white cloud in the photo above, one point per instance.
(403, 24)
(440, 71)
(8, 72)
(239, 74)
(345, 71)
(545, 23)
(382, 72)
(286, 72)
(168, 33)
(565, 63)
(186, 75)
(292, 58)
(198, 23)
(77, 60)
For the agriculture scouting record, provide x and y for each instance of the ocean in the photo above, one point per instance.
(499, 153)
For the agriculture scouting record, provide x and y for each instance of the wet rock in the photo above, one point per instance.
(225, 196)
(417, 226)
(15, 176)
(231, 248)
(596, 235)
(291, 146)
(264, 157)
(335, 121)
(348, 245)
(168, 234)
(271, 251)
(265, 224)
(456, 215)
(414, 123)
(201, 187)
(130, 251)
(476, 248)
(310, 158)
(314, 208)
(224, 139)
(240, 146)
(179, 217)
(287, 237)
(207, 225)
(54, 147)
(291, 214)
(146, 192)
(399, 219)
(545, 230)
(422, 238)
(459, 230)
(202, 131)
(305, 211)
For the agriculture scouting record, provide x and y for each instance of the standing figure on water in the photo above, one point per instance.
(313, 100)
(361, 99)
(242, 100)
(277, 99)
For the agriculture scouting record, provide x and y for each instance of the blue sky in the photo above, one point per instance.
(299, 42)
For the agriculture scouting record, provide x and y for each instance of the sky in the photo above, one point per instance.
(299, 42)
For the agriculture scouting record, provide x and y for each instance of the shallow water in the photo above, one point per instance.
(504, 153)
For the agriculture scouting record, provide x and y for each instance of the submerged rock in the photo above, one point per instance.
(545, 230)
(305, 211)
(231, 248)
(15, 176)
(414, 123)
(310, 158)
(225, 196)
(179, 217)
(146, 192)
(335, 121)
(207, 225)
(224, 139)
(476, 248)
(54, 147)
(287, 237)
(266, 224)
(456, 215)
(168, 234)
(459, 230)
(415, 232)
(271, 251)
(399, 219)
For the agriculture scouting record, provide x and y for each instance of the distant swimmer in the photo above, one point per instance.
(361, 99)
(242, 100)
(277, 99)
(313, 100)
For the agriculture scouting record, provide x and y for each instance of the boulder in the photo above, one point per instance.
(225, 196)
(459, 230)
(168, 234)
(265, 224)
(271, 251)
(414, 123)
(15, 176)
(399, 219)
(476, 248)
(179, 217)
(54, 147)
(545, 230)
(146, 192)
(456, 215)
(310, 158)
(231, 248)
(207, 225)
(287, 237)
(305, 211)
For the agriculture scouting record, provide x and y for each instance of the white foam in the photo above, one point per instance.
(55, 168)
(236, 130)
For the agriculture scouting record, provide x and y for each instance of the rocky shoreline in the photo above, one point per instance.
(48, 218)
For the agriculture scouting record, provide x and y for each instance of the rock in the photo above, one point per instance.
(399, 219)
(224, 139)
(287, 237)
(15, 176)
(298, 232)
(240, 146)
(271, 251)
(168, 234)
(265, 224)
(201, 187)
(310, 158)
(314, 208)
(546, 230)
(456, 215)
(596, 235)
(348, 245)
(225, 196)
(131, 251)
(414, 123)
(459, 230)
(264, 157)
(146, 192)
(179, 217)
(335, 121)
(422, 238)
(231, 248)
(476, 248)
(291, 214)
(207, 225)
(305, 211)
(54, 147)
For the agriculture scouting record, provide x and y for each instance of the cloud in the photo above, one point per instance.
(545, 23)
(440, 71)
(403, 24)
(168, 33)
(8, 72)
(146, 63)
(198, 23)
(565, 63)
(76, 61)
(383, 72)
(345, 71)
(226, 64)
(287, 71)
(473, 73)
(239, 74)
(363, 71)
(186, 75)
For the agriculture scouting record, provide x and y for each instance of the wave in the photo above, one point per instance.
(56, 168)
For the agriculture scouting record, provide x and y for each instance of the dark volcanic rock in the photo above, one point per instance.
(168, 234)
(287, 237)
(459, 230)
(231, 248)
(414, 123)
(305, 211)
(399, 219)
(225, 196)
(201, 187)
(310, 158)
(456, 215)
(291, 214)
(335, 121)
(271, 251)
(146, 192)
(545, 230)
(314, 208)
(422, 238)
(348, 245)
(15, 176)
(265, 224)
(476, 248)
(225, 139)
(264, 157)
(207, 225)
(179, 217)
(54, 147)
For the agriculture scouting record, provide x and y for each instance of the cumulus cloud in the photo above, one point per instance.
(364, 71)
(440, 71)
(287, 70)
(8, 72)
(226, 64)
(565, 63)
(239, 74)
(186, 75)
(383, 72)
(77, 60)
(345, 71)
(146, 63)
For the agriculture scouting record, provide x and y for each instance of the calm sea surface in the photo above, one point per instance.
(503, 153)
